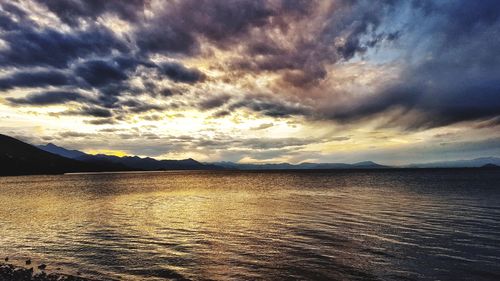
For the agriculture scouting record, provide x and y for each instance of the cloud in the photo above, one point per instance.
(323, 34)
(217, 21)
(221, 113)
(263, 126)
(73, 11)
(31, 79)
(72, 134)
(28, 46)
(214, 102)
(271, 106)
(340, 138)
(92, 111)
(101, 121)
(179, 73)
(457, 83)
(48, 98)
(388, 64)
(100, 72)
(274, 143)
(137, 106)
(9, 13)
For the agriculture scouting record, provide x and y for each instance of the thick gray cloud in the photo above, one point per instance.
(459, 82)
(49, 98)
(446, 51)
(93, 111)
(214, 102)
(216, 20)
(349, 28)
(179, 73)
(90, 57)
(31, 79)
(73, 11)
(99, 72)
(272, 107)
(29, 46)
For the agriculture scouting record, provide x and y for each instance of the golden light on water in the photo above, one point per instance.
(220, 225)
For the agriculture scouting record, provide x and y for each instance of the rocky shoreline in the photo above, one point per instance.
(10, 272)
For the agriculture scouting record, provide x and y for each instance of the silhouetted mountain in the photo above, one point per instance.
(52, 148)
(301, 166)
(490, 166)
(150, 164)
(472, 163)
(19, 158)
(369, 165)
(129, 162)
(83, 157)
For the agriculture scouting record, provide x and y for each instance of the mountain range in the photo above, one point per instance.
(471, 163)
(148, 163)
(302, 166)
(129, 162)
(19, 158)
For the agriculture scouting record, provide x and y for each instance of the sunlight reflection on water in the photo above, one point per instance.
(388, 225)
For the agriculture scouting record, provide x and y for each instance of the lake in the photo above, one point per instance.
(219, 225)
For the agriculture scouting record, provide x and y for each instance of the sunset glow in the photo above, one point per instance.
(270, 81)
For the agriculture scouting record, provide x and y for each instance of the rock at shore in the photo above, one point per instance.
(9, 272)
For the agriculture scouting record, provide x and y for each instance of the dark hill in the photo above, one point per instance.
(490, 166)
(19, 158)
(128, 162)
(302, 166)
(149, 164)
(52, 148)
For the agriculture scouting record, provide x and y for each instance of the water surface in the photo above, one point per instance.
(337, 225)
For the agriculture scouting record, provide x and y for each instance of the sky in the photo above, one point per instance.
(254, 81)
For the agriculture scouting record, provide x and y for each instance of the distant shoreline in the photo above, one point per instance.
(389, 169)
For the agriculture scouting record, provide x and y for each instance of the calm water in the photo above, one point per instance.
(392, 225)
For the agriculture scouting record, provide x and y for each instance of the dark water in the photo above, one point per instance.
(385, 225)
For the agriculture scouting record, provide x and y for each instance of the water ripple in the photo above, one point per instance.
(391, 225)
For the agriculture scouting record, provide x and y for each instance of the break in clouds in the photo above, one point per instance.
(323, 69)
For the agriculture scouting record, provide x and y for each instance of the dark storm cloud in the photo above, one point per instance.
(221, 113)
(72, 11)
(450, 70)
(6, 23)
(100, 72)
(91, 111)
(179, 73)
(462, 18)
(31, 79)
(49, 98)
(458, 83)
(13, 9)
(214, 102)
(137, 106)
(92, 58)
(97, 112)
(176, 25)
(271, 106)
(349, 28)
(9, 12)
(170, 32)
(102, 121)
(28, 46)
